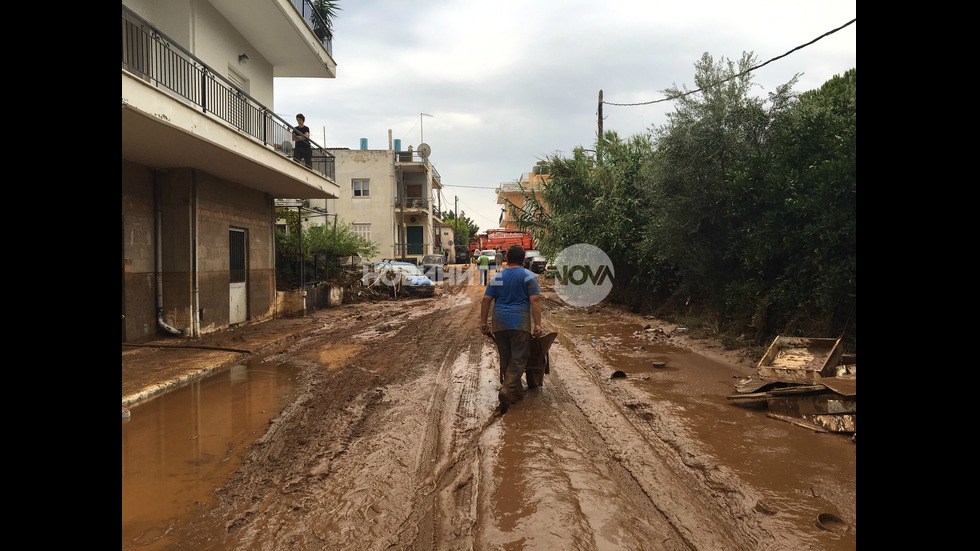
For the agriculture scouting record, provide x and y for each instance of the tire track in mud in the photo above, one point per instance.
(640, 463)
(445, 514)
(424, 407)
(702, 502)
(584, 469)
(351, 463)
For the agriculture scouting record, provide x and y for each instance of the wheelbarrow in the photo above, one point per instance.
(538, 362)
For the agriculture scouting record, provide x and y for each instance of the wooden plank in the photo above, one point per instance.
(798, 422)
(846, 385)
(825, 403)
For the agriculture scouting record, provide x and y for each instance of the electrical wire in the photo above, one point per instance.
(470, 187)
(745, 72)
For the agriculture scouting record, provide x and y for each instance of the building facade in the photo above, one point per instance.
(511, 195)
(203, 157)
(390, 197)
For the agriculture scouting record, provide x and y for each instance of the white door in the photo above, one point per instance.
(238, 291)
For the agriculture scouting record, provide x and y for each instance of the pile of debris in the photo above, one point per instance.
(806, 381)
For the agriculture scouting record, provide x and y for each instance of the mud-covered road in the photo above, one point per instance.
(393, 443)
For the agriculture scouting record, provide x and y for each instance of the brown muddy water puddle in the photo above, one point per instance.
(178, 447)
(799, 472)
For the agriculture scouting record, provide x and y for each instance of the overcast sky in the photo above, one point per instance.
(513, 81)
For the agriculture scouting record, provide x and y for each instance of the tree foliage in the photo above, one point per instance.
(319, 247)
(463, 227)
(739, 207)
(796, 207)
(328, 11)
(686, 184)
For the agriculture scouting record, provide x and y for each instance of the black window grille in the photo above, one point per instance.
(236, 244)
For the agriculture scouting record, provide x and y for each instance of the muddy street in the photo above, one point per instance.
(389, 439)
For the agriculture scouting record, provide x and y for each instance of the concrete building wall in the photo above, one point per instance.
(223, 206)
(377, 167)
(199, 27)
(197, 211)
(447, 238)
(138, 283)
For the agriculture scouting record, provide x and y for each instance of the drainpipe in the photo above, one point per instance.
(195, 328)
(158, 260)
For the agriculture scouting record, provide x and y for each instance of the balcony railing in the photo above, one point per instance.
(316, 22)
(414, 157)
(413, 203)
(153, 56)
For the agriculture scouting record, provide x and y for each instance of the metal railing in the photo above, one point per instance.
(414, 157)
(409, 157)
(153, 56)
(413, 203)
(316, 22)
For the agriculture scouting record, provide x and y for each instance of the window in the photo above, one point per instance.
(362, 188)
(362, 230)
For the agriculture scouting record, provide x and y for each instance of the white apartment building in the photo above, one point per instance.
(203, 159)
(390, 197)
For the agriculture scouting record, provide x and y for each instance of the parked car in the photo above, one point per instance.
(434, 266)
(528, 255)
(408, 275)
(537, 264)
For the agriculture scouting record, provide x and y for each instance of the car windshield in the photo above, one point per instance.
(408, 269)
(432, 259)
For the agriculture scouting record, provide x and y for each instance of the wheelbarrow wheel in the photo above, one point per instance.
(535, 377)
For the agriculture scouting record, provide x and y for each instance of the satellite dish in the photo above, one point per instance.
(424, 150)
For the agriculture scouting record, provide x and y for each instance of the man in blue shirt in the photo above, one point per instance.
(516, 317)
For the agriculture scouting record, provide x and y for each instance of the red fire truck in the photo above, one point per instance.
(499, 240)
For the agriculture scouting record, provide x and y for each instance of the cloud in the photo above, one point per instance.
(511, 82)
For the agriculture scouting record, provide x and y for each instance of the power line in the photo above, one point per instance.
(750, 69)
(472, 212)
(469, 187)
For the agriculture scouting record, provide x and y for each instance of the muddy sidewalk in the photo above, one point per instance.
(154, 367)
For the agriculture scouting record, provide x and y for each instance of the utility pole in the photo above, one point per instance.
(302, 263)
(599, 141)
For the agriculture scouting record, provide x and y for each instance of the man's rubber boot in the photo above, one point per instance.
(504, 401)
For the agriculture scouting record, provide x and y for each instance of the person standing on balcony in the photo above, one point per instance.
(301, 146)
